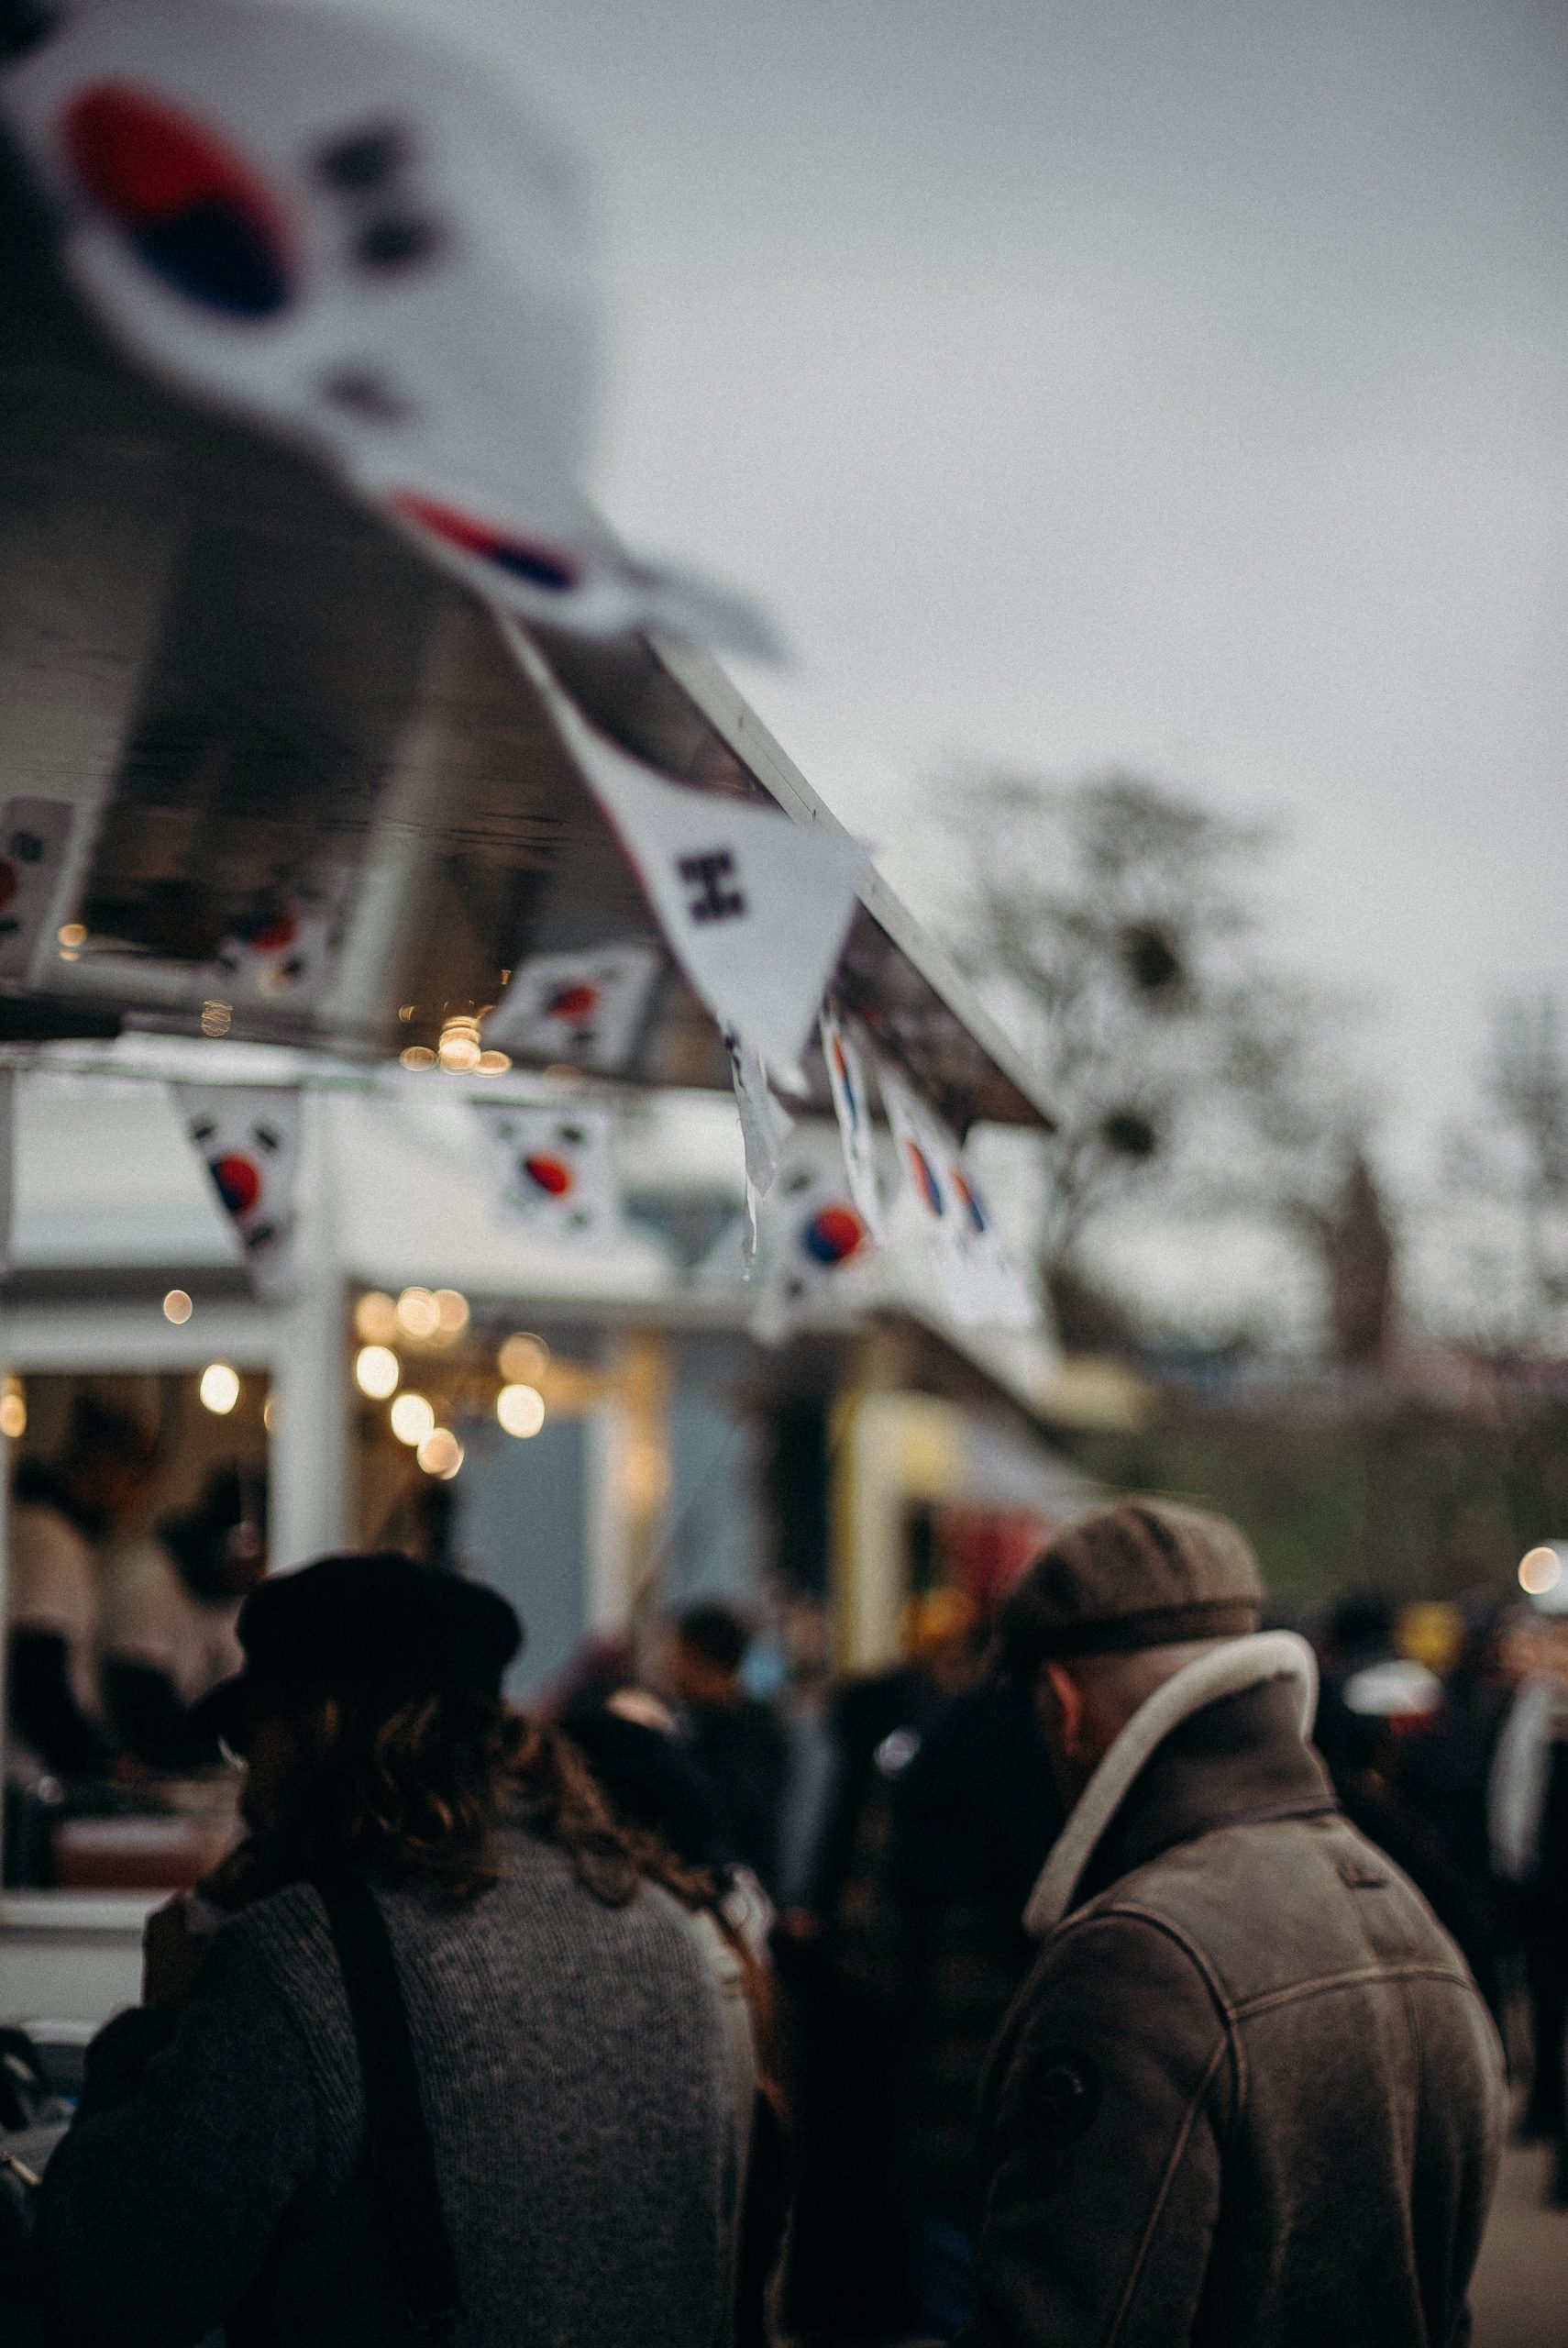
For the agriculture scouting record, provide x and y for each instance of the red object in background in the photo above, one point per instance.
(990, 1548)
(274, 935)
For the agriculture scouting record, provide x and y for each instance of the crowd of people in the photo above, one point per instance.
(1051, 1985)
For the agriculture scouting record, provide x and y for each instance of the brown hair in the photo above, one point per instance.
(416, 1797)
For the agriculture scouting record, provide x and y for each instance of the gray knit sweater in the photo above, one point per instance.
(575, 2078)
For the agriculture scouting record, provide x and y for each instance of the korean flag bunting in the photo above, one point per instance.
(763, 1122)
(33, 838)
(248, 1136)
(817, 1246)
(354, 233)
(980, 1284)
(553, 1168)
(587, 1008)
(846, 1073)
(755, 908)
(283, 955)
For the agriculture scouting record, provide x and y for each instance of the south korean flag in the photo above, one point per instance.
(249, 1137)
(355, 234)
(980, 1283)
(817, 1247)
(33, 836)
(755, 908)
(585, 1009)
(554, 1170)
(282, 956)
(847, 1082)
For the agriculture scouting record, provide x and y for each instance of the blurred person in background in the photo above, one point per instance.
(1528, 1800)
(851, 2266)
(560, 2162)
(1249, 2090)
(61, 1517)
(736, 1741)
(169, 1611)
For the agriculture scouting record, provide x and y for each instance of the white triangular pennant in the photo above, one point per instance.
(248, 1136)
(755, 908)
(33, 838)
(847, 1082)
(554, 1170)
(586, 1009)
(353, 233)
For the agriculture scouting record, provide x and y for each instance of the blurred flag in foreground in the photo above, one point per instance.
(355, 233)
(587, 1008)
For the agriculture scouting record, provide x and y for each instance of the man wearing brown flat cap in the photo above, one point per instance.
(1248, 2093)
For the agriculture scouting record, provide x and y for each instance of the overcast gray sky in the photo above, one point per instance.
(1180, 385)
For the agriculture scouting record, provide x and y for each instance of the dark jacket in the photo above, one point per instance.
(1248, 2093)
(573, 2065)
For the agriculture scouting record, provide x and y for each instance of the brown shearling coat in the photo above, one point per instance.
(1249, 2096)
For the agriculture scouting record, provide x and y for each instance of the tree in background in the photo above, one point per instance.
(1116, 927)
(1507, 1183)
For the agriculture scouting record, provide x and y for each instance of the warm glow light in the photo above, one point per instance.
(412, 1418)
(451, 1310)
(375, 1318)
(178, 1307)
(13, 1409)
(418, 1314)
(269, 1414)
(216, 1018)
(417, 1056)
(377, 1372)
(1540, 1570)
(523, 1359)
(459, 1050)
(219, 1389)
(520, 1409)
(73, 933)
(493, 1064)
(647, 1475)
(440, 1453)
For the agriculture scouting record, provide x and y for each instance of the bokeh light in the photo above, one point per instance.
(375, 1319)
(219, 1389)
(412, 1418)
(377, 1372)
(178, 1307)
(440, 1453)
(13, 1410)
(523, 1359)
(451, 1310)
(418, 1314)
(521, 1409)
(1540, 1570)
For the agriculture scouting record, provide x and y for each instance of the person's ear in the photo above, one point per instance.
(1067, 1701)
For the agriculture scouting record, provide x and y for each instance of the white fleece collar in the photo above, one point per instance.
(1228, 1670)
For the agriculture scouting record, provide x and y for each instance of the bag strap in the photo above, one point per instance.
(401, 2162)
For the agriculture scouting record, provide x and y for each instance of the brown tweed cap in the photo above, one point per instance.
(1146, 1573)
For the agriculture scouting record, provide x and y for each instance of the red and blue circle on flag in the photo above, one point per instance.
(238, 1181)
(833, 1235)
(973, 1212)
(579, 1001)
(552, 1176)
(530, 560)
(194, 211)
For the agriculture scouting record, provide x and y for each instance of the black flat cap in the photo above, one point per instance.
(378, 1624)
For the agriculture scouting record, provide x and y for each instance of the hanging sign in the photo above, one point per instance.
(847, 1081)
(33, 836)
(587, 1008)
(248, 1136)
(755, 908)
(554, 1170)
(980, 1283)
(355, 234)
(817, 1246)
